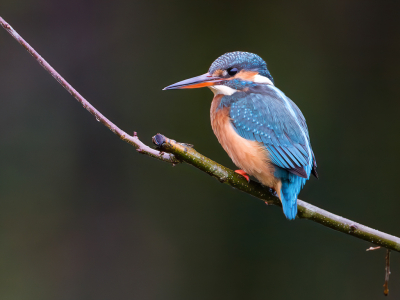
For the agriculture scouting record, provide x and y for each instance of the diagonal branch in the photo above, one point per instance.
(173, 152)
(133, 140)
(305, 210)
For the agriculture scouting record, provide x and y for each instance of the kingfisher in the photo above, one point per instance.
(263, 131)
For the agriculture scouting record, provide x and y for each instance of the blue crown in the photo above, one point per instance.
(241, 60)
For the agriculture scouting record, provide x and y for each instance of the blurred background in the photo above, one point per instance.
(83, 216)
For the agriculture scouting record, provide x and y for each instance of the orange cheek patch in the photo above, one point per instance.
(246, 75)
(197, 85)
(218, 73)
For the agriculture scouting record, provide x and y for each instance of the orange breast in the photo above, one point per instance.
(250, 156)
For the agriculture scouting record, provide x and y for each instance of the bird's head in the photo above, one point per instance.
(229, 73)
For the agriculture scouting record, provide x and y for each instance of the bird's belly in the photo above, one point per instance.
(250, 156)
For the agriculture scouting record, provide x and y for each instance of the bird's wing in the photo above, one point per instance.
(303, 124)
(271, 118)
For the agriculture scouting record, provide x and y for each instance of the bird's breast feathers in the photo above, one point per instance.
(251, 156)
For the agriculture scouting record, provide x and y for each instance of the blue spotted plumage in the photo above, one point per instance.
(247, 101)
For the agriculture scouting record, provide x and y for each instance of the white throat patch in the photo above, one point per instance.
(262, 79)
(222, 89)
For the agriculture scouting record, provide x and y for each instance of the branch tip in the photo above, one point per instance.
(158, 140)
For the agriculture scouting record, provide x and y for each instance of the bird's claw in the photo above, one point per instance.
(244, 174)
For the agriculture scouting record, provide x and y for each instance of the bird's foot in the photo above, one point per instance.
(244, 174)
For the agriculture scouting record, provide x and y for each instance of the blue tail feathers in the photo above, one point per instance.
(289, 201)
(291, 186)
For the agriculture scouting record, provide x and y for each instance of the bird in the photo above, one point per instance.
(261, 129)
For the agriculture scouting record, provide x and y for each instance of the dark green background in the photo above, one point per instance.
(83, 216)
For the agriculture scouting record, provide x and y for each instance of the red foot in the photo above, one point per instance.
(244, 174)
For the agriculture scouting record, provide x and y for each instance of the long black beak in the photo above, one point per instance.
(195, 82)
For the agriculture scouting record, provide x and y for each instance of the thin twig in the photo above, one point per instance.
(133, 140)
(373, 248)
(387, 273)
(174, 153)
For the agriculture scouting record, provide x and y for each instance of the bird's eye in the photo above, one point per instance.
(232, 71)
